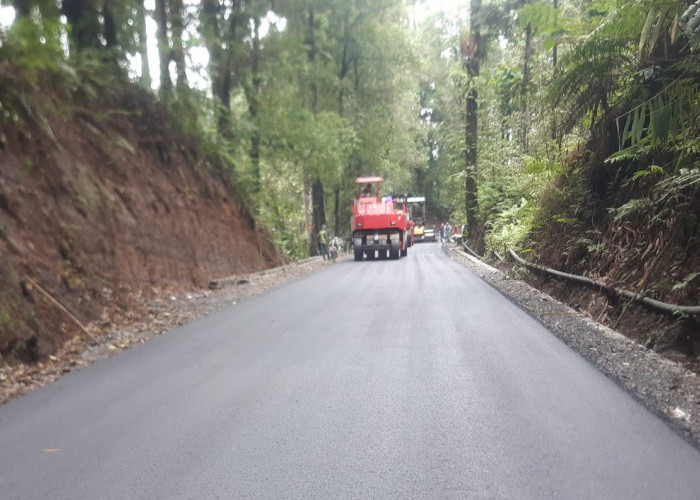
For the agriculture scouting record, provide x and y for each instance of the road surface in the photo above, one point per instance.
(404, 379)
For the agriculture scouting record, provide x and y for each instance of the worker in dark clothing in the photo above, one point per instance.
(367, 191)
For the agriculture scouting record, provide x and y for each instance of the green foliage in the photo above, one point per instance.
(668, 198)
(686, 180)
(509, 203)
(283, 208)
(661, 18)
(590, 72)
(508, 85)
(653, 122)
(591, 246)
(6, 320)
(651, 170)
(510, 227)
(546, 169)
(629, 209)
(33, 47)
(685, 282)
(543, 19)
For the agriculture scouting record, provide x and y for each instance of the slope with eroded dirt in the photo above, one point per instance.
(101, 200)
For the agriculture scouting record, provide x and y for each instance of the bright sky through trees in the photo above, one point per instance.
(458, 8)
(198, 56)
(7, 15)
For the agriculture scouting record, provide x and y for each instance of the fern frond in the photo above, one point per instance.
(687, 178)
(672, 109)
(588, 75)
(645, 30)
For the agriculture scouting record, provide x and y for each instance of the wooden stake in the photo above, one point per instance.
(61, 307)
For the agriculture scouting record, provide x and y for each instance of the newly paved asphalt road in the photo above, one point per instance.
(403, 379)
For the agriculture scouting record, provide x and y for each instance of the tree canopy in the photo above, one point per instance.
(514, 118)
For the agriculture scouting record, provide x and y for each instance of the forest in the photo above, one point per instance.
(567, 130)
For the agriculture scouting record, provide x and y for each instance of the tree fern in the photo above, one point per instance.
(609, 57)
(590, 72)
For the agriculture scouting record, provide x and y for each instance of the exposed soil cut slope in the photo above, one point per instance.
(101, 200)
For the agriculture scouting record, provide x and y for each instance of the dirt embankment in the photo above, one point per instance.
(616, 225)
(102, 201)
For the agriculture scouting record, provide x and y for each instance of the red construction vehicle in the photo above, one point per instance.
(404, 202)
(379, 225)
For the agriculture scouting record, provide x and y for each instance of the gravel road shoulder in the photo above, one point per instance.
(663, 386)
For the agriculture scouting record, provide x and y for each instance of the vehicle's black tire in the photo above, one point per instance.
(358, 254)
(395, 252)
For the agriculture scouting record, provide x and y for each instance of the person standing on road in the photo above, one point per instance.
(323, 242)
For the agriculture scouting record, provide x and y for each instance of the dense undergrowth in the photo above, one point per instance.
(632, 225)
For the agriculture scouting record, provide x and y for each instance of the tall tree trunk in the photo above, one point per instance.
(253, 97)
(472, 52)
(318, 202)
(311, 232)
(336, 211)
(220, 62)
(525, 90)
(51, 11)
(110, 26)
(178, 52)
(343, 72)
(555, 4)
(319, 208)
(143, 45)
(82, 16)
(164, 51)
(555, 133)
(23, 8)
(210, 30)
(344, 65)
(311, 40)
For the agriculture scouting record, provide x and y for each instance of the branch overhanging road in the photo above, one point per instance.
(408, 378)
